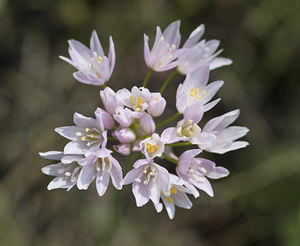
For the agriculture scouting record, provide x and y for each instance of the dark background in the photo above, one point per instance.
(258, 204)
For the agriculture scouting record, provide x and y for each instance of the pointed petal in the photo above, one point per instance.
(102, 184)
(194, 37)
(86, 176)
(111, 55)
(52, 155)
(96, 45)
(219, 62)
(88, 78)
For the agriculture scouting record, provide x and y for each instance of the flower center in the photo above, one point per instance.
(103, 165)
(151, 148)
(194, 92)
(173, 190)
(137, 102)
(88, 135)
(187, 129)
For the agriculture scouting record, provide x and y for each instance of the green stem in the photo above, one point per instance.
(167, 81)
(112, 138)
(168, 120)
(169, 159)
(147, 78)
(180, 144)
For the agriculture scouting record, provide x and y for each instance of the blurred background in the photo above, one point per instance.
(258, 204)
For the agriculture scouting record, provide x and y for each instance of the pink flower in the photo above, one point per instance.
(224, 136)
(202, 54)
(88, 133)
(177, 197)
(94, 67)
(66, 171)
(100, 165)
(148, 181)
(195, 170)
(165, 50)
(152, 146)
(195, 90)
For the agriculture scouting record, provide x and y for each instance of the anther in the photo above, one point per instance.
(203, 170)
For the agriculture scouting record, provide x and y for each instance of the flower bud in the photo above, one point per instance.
(156, 105)
(125, 135)
(110, 101)
(123, 117)
(147, 124)
(107, 120)
(123, 149)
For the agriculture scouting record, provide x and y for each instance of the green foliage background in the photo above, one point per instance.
(258, 204)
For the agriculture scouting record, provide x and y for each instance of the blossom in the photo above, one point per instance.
(165, 51)
(100, 165)
(195, 90)
(94, 67)
(88, 133)
(66, 171)
(224, 136)
(152, 146)
(177, 197)
(202, 54)
(148, 181)
(137, 99)
(195, 170)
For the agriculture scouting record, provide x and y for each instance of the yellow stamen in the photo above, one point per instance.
(192, 94)
(83, 138)
(198, 97)
(138, 102)
(151, 148)
(99, 58)
(173, 190)
(87, 129)
(197, 91)
(170, 199)
(192, 89)
(131, 98)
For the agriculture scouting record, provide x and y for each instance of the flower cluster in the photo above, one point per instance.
(126, 125)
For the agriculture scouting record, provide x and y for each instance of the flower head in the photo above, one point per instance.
(94, 67)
